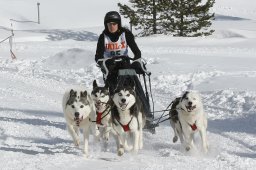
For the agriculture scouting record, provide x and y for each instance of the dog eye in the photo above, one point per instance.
(128, 95)
(73, 106)
(186, 98)
(119, 94)
(82, 106)
(103, 95)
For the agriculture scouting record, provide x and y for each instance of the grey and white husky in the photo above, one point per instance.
(187, 118)
(79, 110)
(128, 119)
(102, 102)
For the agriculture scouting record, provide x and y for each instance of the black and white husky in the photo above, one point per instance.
(102, 101)
(187, 118)
(128, 119)
(79, 110)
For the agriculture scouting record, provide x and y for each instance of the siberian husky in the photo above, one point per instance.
(187, 118)
(101, 98)
(128, 119)
(79, 110)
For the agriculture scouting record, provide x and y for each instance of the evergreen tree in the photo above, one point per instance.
(186, 17)
(143, 15)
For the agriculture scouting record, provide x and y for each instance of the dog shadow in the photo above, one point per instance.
(34, 112)
(48, 145)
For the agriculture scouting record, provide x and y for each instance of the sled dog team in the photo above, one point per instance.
(122, 116)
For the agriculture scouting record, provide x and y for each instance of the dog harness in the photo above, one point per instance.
(126, 127)
(98, 119)
(193, 127)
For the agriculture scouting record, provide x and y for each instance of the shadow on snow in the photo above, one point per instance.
(57, 35)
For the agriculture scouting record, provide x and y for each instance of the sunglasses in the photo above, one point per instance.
(112, 23)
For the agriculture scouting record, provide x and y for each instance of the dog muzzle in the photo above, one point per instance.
(190, 108)
(78, 120)
(123, 106)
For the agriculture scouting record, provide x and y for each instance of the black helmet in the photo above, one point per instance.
(112, 16)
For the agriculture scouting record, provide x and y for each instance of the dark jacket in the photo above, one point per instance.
(114, 37)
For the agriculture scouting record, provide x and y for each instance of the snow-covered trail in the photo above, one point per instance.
(32, 127)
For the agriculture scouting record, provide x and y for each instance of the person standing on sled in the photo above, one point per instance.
(114, 42)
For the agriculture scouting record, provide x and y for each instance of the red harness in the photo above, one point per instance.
(98, 119)
(126, 128)
(193, 127)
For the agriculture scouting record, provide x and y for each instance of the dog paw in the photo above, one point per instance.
(77, 142)
(140, 145)
(120, 152)
(175, 139)
(188, 148)
(106, 137)
(128, 148)
(205, 149)
(97, 133)
(135, 151)
(85, 156)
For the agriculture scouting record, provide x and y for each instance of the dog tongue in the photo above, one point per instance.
(123, 106)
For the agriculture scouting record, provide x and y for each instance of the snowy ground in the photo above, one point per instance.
(221, 67)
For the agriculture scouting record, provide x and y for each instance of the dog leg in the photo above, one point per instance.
(136, 135)
(188, 142)
(119, 144)
(86, 141)
(175, 138)
(180, 133)
(140, 138)
(204, 140)
(73, 134)
(76, 128)
(105, 134)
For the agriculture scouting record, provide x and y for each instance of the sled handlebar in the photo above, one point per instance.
(119, 58)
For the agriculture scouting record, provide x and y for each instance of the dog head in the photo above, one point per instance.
(100, 96)
(124, 97)
(190, 101)
(78, 106)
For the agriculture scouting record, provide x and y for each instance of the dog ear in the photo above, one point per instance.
(184, 95)
(83, 94)
(95, 84)
(72, 93)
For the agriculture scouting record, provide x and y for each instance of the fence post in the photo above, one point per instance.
(38, 13)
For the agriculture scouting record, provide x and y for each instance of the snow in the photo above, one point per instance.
(59, 53)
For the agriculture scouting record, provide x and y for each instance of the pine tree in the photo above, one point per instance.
(187, 17)
(143, 15)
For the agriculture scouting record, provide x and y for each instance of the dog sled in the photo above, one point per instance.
(125, 71)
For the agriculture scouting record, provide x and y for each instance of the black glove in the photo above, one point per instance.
(137, 67)
(100, 64)
(110, 62)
